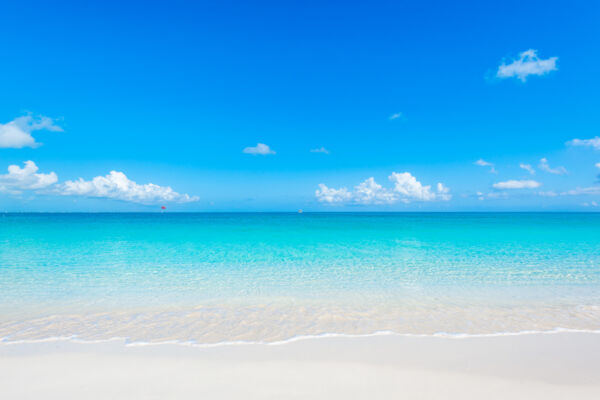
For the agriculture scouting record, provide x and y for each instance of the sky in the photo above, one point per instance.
(313, 105)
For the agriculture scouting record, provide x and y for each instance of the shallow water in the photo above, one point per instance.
(265, 277)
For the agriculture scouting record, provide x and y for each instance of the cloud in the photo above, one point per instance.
(593, 142)
(527, 64)
(260, 149)
(19, 179)
(16, 134)
(410, 188)
(443, 192)
(406, 189)
(330, 195)
(116, 185)
(544, 166)
(598, 165)
(592, 190)
(528, 168)
(517, 184)
(397, 115)
(491, 195)
(320, 150)
(482, 163)
(549, 193)
(370, 192)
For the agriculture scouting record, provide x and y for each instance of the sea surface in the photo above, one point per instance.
(209, 278)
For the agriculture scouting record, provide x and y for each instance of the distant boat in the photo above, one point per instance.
(300, 211)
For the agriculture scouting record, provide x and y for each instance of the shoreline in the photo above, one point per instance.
(126, 342)
(533, 365)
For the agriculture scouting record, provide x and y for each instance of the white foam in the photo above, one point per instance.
(446, 335)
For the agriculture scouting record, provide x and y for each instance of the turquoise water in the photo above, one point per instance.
(219, 277)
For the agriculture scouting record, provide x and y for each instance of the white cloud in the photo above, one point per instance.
(370, 192)
(593, 142)
(527, 64)
(329, 195)
(549, 193)
(19, 179)
(116, 185)
(396, 116)
(598, 165)
(16, 134)
(320, 150)
(528, 168)
(515, 184)
(544, 166)
(491, 195)
(443, 192)
(592, 190)
(406, 189)
(260, 149)
(482, 163)
(410, 188)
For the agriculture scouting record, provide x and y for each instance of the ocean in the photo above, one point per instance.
(210, 278)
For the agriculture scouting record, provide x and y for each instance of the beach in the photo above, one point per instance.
(331, 306)
(333, 200)
(563, 365)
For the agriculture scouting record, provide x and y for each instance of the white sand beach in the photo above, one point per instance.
(527, 366)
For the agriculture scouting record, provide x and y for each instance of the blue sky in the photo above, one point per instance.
(178, 96)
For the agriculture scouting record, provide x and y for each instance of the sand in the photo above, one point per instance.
(529, 366)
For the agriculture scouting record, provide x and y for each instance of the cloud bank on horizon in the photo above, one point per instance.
(406, 189)
(20, 179)
(114, 185)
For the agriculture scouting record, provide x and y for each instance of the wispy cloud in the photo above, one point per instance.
(593, 142)
(27, 178)
(544, 166)
(320, 150)
(260, 149)
(117, 186)
(397, 115)
(517, 184)
(482, 163)
(528, 168)
(527, 64)
(492, 195)
(406, 188)
(591, 190)
(579, 191)
(16, 134)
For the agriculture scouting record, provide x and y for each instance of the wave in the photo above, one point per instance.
(446, 335)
